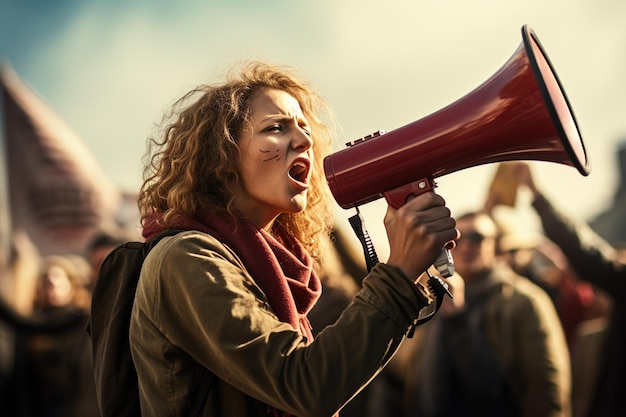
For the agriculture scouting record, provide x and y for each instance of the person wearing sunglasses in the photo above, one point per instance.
(496, 348)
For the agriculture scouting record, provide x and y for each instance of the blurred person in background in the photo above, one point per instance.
(516, 324)
(52, 372)
(496, 349)
(19, 273)
(100, 246)
(601, 264)
(533, 256)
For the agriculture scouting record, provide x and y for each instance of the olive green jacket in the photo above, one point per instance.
(197, 308)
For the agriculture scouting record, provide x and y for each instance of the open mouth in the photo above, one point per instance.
(299, 171)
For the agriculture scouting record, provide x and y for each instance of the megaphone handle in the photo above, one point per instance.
(397, 197)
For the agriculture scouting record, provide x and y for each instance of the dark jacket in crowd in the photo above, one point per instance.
(595, 261)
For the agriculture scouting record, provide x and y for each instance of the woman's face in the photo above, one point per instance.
(276, 158)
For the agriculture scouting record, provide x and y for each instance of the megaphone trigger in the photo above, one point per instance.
(397, 197)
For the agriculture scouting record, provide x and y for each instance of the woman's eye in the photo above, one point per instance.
(275, 128)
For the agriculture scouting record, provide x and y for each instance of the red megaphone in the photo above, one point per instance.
(521, 112)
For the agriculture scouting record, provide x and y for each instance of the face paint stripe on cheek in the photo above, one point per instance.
(266, 158)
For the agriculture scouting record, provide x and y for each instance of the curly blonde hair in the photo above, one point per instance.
(191, 170)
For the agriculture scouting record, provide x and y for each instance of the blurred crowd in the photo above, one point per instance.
(45, 352)
(535, 327)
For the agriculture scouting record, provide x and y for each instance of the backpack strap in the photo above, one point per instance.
(169, 232)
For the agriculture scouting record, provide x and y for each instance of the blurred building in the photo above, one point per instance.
(611, 224)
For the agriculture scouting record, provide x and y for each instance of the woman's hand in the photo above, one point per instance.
(417, 232)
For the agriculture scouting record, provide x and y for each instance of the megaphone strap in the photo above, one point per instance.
(358, 225)
(439, 288)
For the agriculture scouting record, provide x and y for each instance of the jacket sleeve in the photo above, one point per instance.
(205, 303)
(592, 258)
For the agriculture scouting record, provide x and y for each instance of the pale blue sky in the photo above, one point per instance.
(111, 68)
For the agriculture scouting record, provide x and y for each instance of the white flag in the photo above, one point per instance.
(57, 192)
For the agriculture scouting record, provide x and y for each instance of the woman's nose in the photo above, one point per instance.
(302, 140)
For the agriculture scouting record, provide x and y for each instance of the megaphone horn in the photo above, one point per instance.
(520, 113)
